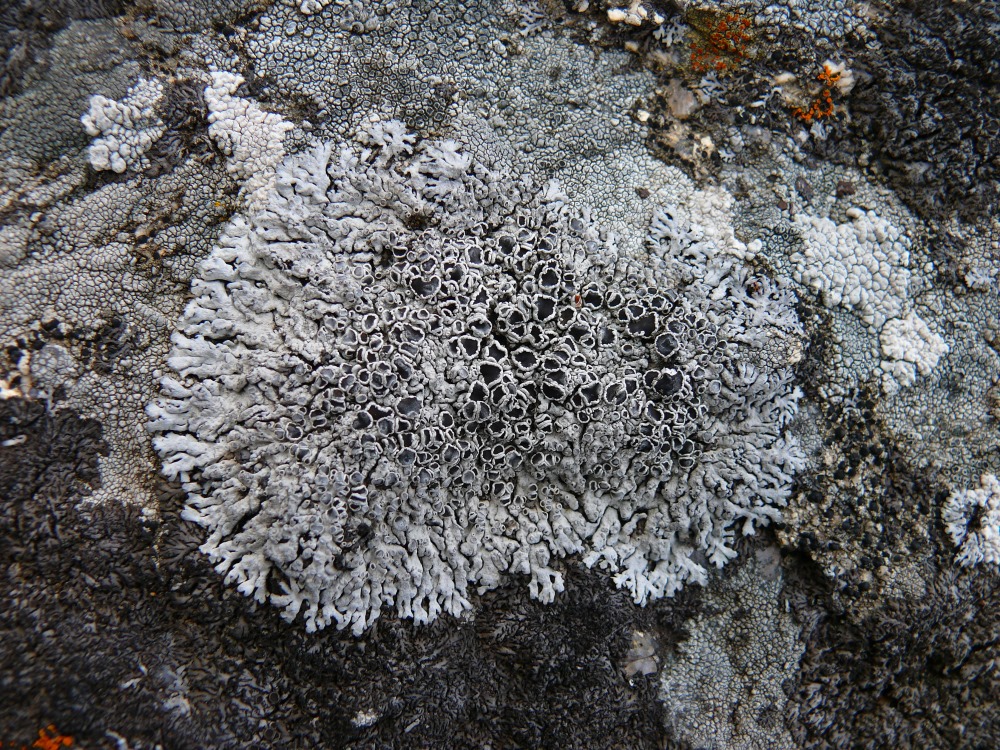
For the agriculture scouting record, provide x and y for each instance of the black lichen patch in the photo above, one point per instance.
(900, 641)
(45, 455)
(931, 109)
(185, 119)
(48, 460)
(853, 514)
(820, 346)
(914, 671)
(522, 675)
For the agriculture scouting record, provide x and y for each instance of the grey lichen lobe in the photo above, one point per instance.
(410, 375)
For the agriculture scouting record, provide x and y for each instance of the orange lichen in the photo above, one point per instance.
(822, 105)
(50, 739)
(722, 40)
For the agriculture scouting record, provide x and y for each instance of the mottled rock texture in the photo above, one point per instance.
(779, 122)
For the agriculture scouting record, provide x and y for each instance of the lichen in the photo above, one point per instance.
(972, 520)
(410, 376)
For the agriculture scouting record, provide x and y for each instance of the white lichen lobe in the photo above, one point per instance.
(909, 348)
(972, 520)
(125, 129)
(252, 138)
(864, 265)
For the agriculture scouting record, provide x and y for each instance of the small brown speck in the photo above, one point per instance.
(642, 192)
(845, 188)
(804, 188)
(782, 205)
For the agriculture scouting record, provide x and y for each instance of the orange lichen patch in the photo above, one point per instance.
(50, 739)
(722, 40)
(822, 105)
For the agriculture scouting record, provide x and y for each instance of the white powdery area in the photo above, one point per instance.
(252, 138)
(972, 520)
(863, 265)
(411, 376)
(909, 347)
(126, 129)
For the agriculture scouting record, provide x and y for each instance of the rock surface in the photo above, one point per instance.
(814, 185)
